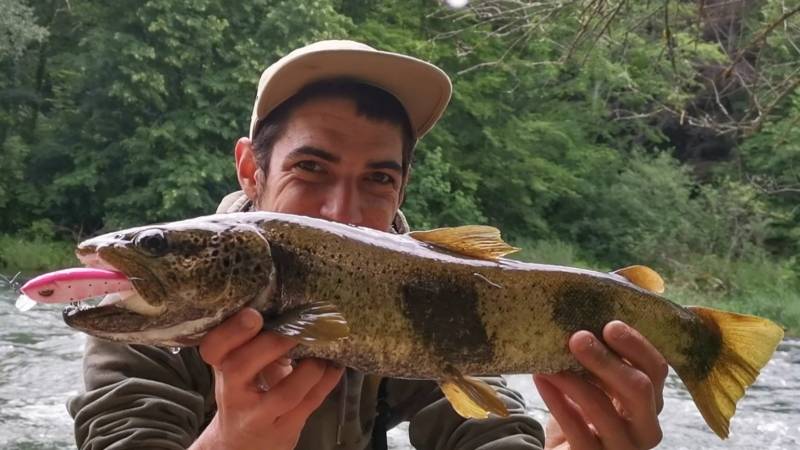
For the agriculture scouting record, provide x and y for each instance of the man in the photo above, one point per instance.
(332, 136)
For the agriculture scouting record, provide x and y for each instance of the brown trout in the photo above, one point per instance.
(441, 304)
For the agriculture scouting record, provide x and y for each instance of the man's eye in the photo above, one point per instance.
(382, 178)
(310, 166)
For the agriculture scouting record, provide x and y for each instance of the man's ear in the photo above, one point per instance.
(247, 167)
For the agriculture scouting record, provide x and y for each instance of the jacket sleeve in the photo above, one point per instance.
(434, 425)
(140, 397)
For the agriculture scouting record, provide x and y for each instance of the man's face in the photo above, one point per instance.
(333, 164)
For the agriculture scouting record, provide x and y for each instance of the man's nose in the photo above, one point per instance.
(342, 204)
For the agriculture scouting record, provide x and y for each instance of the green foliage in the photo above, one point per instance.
(19, 28)
(551, 252)
(653, 212)
(19, 254)
(440, 194)
(147, 102)
(773, 157)
(758, 286)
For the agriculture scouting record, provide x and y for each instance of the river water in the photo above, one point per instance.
(40, 361)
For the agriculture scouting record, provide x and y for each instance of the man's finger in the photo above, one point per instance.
(630, 387)
(296, 418)
(612, 430)
(631, 345)
(272, 375)
(573, 425)
(291, 391)
(243, 365)
(230, 334)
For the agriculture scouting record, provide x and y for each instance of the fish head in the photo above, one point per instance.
(187, 277)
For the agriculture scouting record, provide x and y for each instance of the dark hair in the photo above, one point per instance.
(371, 102)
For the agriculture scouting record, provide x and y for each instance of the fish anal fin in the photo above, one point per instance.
(747, 344)
(471, 397)
(644, 277)
(314, 323)
(476, 241)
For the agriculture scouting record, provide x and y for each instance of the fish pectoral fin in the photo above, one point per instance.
(477, 241)
(314, 323)
(471, 397)
(644, 277)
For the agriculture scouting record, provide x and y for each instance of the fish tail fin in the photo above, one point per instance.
(746, 343)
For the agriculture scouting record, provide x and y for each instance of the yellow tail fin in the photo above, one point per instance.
(747, 344)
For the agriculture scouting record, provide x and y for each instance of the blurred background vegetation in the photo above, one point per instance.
(598, 133)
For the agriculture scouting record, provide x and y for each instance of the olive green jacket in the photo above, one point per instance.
(144, 397)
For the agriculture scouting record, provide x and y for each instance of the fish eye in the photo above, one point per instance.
(152, 241)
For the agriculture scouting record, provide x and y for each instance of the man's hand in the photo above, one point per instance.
(262, 401)
(614, 406)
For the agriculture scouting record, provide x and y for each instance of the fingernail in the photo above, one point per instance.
(249, 319)
(584, 341)
(619, 330)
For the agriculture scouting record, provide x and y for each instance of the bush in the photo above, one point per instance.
(550, 252)
(19, 254)
(758, 286)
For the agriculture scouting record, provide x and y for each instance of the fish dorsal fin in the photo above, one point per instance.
(471, 397)
(644, 277)
(477, 241)
(315, 323)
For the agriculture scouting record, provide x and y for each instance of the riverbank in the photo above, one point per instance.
(764, 288)
(18, 254)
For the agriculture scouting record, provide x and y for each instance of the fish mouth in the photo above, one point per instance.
(122, 311)
(132, 318)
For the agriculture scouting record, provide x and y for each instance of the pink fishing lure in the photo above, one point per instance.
(72, 285)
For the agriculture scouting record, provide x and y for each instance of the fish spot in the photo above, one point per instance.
(445, 315)
(706, 346)
(579, 307)
(293, 272)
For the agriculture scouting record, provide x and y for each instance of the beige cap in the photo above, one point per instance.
(422, 88)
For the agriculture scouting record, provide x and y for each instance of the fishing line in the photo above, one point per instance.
(12, 283)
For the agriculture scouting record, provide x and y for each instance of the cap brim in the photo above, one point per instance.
(422, 88)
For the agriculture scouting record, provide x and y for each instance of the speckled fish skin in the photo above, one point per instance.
(412, 308)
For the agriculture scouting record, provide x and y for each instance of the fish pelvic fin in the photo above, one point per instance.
(644, 277)
(314, 323)
(476, 241)
(471, 397)
(747, 344)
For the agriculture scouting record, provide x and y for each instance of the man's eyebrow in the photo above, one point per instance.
(313, 151)
(388, 164)
(308, 150)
